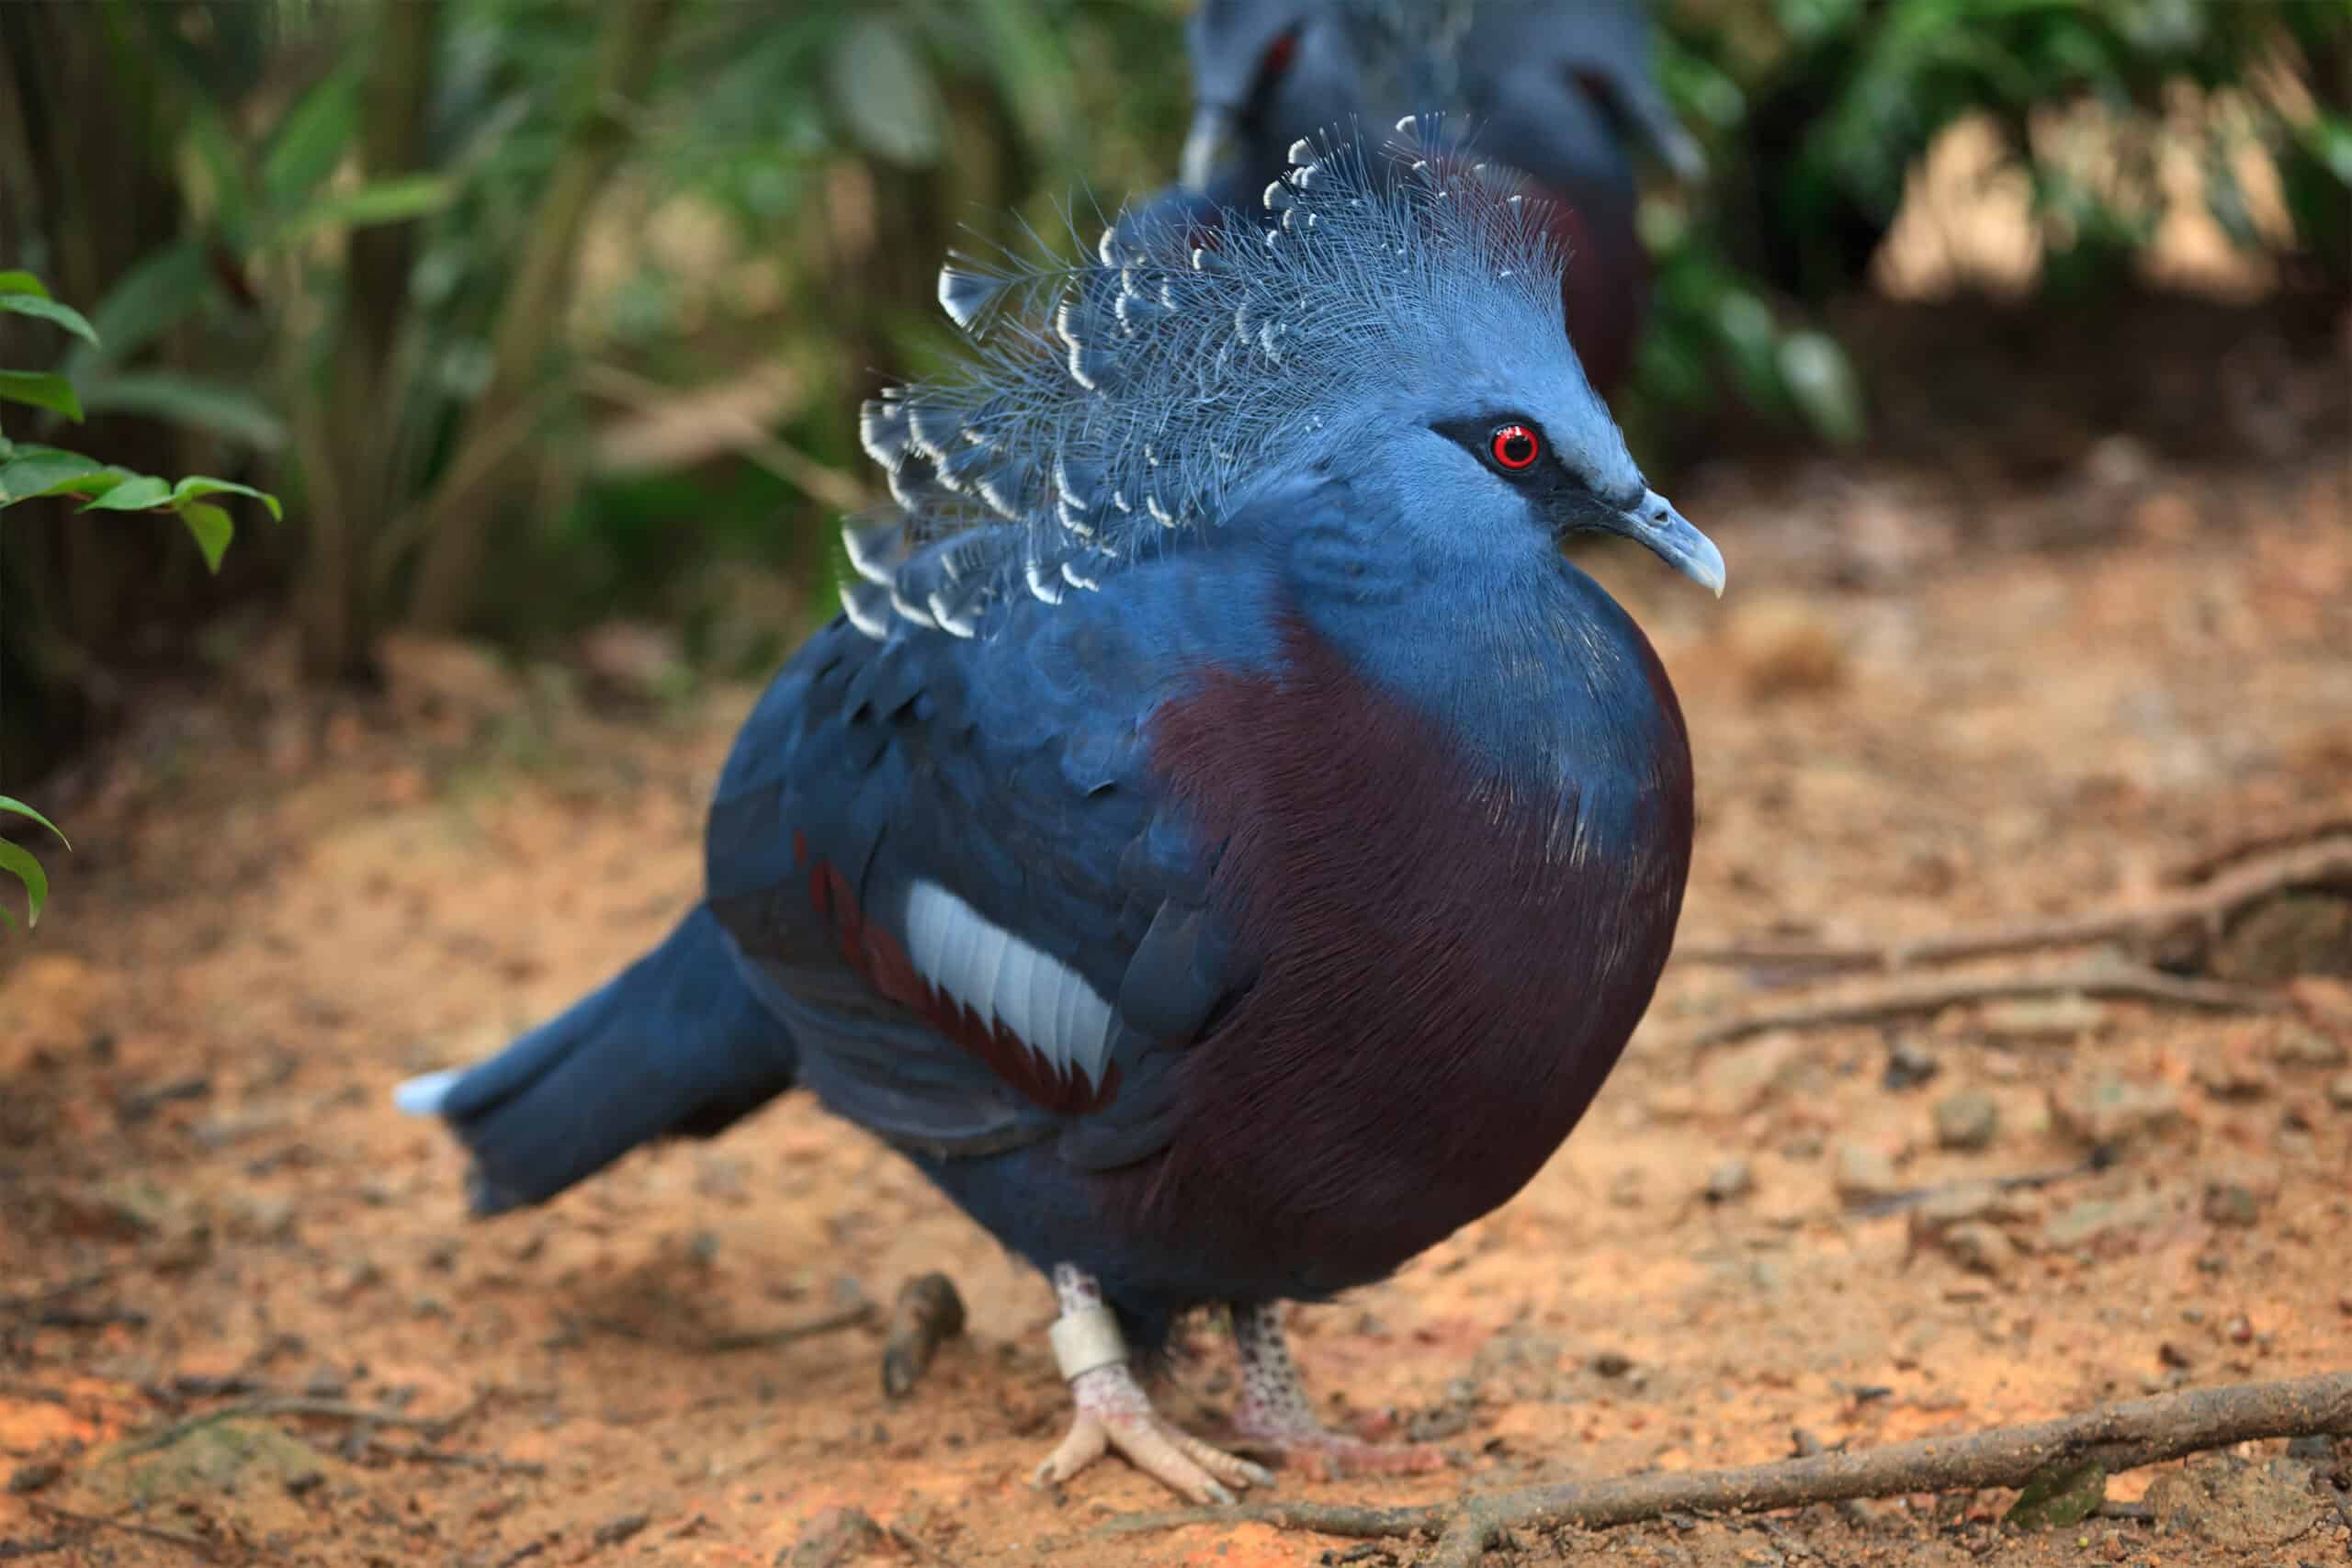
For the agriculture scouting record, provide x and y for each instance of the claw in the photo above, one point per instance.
(1115, 1413)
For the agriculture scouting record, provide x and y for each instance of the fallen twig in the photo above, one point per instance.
(1908, 999)
(1917, 1197)
(928, 1313)
(322, 1409)
(2332, 819)
(99, 1521)
(2201, 910)
(2119, 1437)
(762, 1338)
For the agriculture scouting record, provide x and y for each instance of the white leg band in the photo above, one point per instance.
(1085, 1340)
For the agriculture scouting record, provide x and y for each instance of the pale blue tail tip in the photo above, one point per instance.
(426, 1094)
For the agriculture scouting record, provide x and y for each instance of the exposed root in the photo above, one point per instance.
(1908, 999)
(2117, 1438)
(2174, 925)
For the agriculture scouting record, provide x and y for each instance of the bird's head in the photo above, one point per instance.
(1560, 88)
(1399, 333)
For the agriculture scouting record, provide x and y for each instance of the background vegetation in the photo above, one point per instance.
(539, 315)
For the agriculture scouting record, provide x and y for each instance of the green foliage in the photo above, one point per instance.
(409, 238)
(1816, 111)
(19, 862)
(1829, 105)
(28, 472)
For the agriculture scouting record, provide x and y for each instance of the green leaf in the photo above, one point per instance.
(31, 471)
(50, 311)
(186, 401)
(2059, 1495)
(209, 527)
(17, 808)
(196, 485)
(1821, 382)
(883, 94)
(312, 138)
(136, 494)
(42, 389)
(22, 283)
(156, 294)
(386, 201)
(18, 861)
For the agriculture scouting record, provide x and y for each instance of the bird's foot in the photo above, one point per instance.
(1113, 1411)
(1277, 1417)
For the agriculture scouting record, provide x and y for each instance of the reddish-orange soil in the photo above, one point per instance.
(1909, 714)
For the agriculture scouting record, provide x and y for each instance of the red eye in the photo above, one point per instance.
(1514, 446)
(1279, 55)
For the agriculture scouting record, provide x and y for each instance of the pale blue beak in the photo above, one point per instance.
(1669, 535)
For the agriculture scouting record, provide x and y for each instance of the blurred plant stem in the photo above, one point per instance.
(350, 447)
(461, 509)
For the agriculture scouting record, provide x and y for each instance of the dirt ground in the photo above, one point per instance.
(1928, 701)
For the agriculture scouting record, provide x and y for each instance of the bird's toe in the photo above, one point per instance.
(1087, 1441)
(1183, 1463)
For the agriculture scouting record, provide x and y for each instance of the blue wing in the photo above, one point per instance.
(943, 860)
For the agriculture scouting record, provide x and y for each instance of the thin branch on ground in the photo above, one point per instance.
(1918, 1197)
(320, 1409)
(2200, 911)
(854, 1317)
(99, 1521)
(2119, 1437)
(1909, 998)
(2328, 821)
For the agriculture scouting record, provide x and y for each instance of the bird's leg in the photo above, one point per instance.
(1275, 1411)
(1115, 1413)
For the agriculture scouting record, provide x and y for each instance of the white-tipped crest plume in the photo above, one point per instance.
(1145, 388)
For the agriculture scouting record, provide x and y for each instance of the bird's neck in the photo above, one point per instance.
(1522, 660)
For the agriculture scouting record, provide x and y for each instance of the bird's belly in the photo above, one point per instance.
(1451, 958)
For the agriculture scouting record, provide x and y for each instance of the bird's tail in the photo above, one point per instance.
(675, 1045)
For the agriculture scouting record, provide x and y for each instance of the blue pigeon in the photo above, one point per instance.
(1560, 91)
(1223, 842)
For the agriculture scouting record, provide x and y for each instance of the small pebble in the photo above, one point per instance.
(2304, 1047)
(1981, 1248)
(1909, 1064)
(1731, 1179)
(2231, 1203)
(2240, 1330)
(1966, 1119)
(1864, 1173)
(612, 1532)
(2233, 1077)
(2339, 1092)
(2111, 1109)
(1611, 1363)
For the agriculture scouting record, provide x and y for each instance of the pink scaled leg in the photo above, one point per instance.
(1275, 1411)
(1115, 1413)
